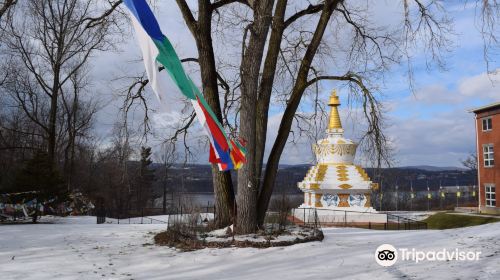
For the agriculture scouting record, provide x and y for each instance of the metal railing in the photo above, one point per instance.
(143, 216)
(395, 222)
(140, 220)
(344, 218)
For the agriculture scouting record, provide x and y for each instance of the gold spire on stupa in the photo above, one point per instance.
(334, 102)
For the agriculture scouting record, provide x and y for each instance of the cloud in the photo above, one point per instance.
(483, 87)
(442, 140)
(432, 127)
(435, 94)
(462, 93)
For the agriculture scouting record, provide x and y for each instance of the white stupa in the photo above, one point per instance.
(335, 182)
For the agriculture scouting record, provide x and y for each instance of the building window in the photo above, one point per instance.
(487, 124)
(490, 195)
(488, 155)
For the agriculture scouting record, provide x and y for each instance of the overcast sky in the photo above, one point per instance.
(428, 127)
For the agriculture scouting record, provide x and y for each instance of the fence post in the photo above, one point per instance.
(315, 219)
(345, 218)
(304, 216)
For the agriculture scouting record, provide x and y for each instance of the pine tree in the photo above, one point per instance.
(145, 178)
(40, 176)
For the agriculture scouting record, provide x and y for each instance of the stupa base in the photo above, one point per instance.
(343, 209)
(339, 215)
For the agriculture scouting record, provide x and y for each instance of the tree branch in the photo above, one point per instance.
(18, 148)
(218, 4)
(376, 140)
(347, 77)
(92, 22)
(291, 108)
(188, 16)
(311, 9)
(6, 6)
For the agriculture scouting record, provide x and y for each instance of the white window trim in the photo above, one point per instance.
(489, 202)
(482, 124)
(489, 159)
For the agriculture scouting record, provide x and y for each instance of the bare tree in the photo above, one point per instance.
(168, 158)
(257, 87)
(19, 140)
(471, 162)
(45, 44)
(112, 179)
(283, 47)
(77, 117)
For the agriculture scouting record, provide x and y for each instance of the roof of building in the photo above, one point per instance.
(485, 108)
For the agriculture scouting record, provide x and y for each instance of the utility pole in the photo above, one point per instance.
(428, 196)
(474, 193)
(397, 195)
(440, 196)
(381, 195)
(411, 195)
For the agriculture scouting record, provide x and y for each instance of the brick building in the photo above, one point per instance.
(488, 151)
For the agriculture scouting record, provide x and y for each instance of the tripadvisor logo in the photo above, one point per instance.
(387, 255)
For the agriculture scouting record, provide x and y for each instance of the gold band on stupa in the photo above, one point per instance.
(334, 122)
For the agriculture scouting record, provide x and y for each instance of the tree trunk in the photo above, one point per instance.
(223, 185)
(34, 218)
(248, 183)
(287, 120)
(224, 198)
(51, 149)
(266, 86)
(165, 194)
(69, 151)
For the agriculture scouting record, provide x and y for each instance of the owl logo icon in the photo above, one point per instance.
(386, 255)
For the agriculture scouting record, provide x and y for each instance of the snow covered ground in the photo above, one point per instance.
(160, 219)
(414, 215)
(76, 248)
